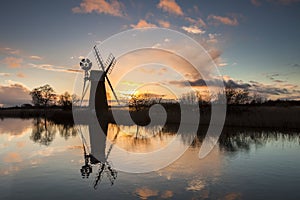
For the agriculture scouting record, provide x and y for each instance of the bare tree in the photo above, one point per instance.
(65, 100)
(236, 96)
(43, 95)
(139, 101)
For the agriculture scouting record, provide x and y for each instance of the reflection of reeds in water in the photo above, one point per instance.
(144, 139)
(138, 138)
(44, 131)
(258, 116)
(238, 139)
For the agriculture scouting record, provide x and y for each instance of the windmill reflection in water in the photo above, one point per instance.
(97, 103)
(97, 156)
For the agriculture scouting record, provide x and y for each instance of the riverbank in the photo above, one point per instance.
(237, 116)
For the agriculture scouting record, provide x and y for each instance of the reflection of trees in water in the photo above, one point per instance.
(236, 140)
(140, 138)
(44, 131)
(67, 130)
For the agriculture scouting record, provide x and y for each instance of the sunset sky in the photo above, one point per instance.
(255, 43)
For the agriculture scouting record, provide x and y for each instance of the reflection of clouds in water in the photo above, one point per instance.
(15, 127)
(233, 196)
(3, 145)
(12, 157)
(9, 170)
(167, 194)
(35, 162)
(145, 193)
(190, 165)
(196, 185)
(20, 144)
(138, 138)
(50, 151)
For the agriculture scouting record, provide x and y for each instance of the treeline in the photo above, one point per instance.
(45, 96)
(233, 96)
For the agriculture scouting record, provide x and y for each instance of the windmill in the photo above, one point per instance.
(96, 78)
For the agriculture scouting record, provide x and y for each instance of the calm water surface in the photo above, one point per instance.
(43, 160)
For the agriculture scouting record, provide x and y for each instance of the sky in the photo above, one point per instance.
(255, 43)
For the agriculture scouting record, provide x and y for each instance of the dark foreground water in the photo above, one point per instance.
(43, 161)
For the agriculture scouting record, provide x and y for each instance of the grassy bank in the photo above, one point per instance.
(237, 116)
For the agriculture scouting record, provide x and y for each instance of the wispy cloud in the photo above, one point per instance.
(9, 51)
(223, 64)
(296, 65)
(164, 24)
(4, 74)
(193, 29)
(284, 2)
(142, 24)
(216, 20)
(279, 2)
(277, 90)
(113, 7)
(21, 75)
(213, 38)
(13, 62)
(54, 68)
(170, 6)
(198, 22)
(213, 82)
(35, 57)
(256, 2)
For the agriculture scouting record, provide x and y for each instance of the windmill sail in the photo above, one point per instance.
(111, 61)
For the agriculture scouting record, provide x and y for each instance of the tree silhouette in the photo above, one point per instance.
(42, 133)
(43, 95)
(65, 100)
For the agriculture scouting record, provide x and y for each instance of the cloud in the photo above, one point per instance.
(54, 68)
(143, 24)
(198, 22)
(21, 75)
(215, 19)
(170, 6)
(9, 51)
(35, 57)
(215, 54)
(213, 38)
(223, 64)
(164, 24)
(274, 77)
(13, 62)
(193, 29)
(256, 2)
(113, 7)
(284, 2)
(213, 82)
(237, 84)
(14, 94)
(4, 74)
